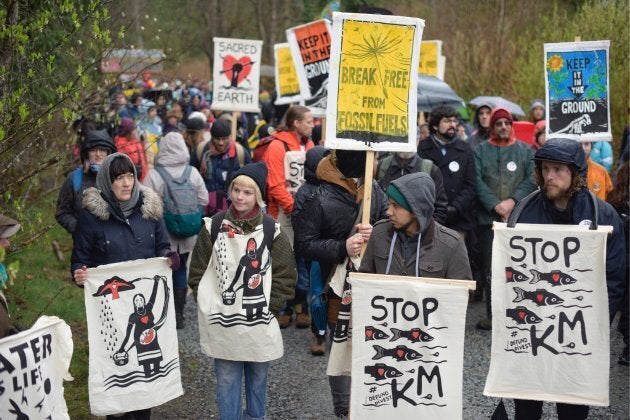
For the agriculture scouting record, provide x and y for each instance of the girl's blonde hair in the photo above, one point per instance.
(247, 182)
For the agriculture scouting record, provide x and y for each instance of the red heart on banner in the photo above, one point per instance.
(381, 371)
(539, 297)
(144, 319)
(521, 314)
(400, 353)
(255, 263)
(555, 277)
(369, 333)
(243, 66)
(415, 334)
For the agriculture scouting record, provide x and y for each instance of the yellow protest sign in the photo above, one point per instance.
(375, 79)
(430, 52)
(287, 84)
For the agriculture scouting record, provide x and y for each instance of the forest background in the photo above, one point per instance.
(50, 54)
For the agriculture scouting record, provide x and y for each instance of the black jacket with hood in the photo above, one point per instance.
(322, 227)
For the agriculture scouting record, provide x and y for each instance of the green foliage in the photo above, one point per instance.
(49, 60)
(591, 21)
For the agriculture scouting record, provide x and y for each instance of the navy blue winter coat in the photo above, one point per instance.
(104, 236)
(540, 210)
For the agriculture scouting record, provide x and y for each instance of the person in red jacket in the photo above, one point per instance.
(293, 136)
(127, 142)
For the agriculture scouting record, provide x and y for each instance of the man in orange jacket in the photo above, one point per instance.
(285, 167)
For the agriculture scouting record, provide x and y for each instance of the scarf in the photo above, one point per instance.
(104, 185)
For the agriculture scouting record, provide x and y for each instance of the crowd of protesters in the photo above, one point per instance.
(463, 177)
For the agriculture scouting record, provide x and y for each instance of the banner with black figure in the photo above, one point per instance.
(234, 295)
(134, 360)
(33, 366)
(550, 333)
(407, 347)
(578, 104)
(373, 77)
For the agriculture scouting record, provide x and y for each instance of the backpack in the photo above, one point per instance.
(269, 227)
(425, 166)
(77, 179)
(262, 146)
(182, 213)
(204, 147)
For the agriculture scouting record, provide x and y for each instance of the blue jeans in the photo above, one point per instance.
(229, 381)
(180, 280)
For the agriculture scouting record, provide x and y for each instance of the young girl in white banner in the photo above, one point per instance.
(242, 270)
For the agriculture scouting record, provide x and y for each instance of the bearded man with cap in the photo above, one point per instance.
(504, 169)
(219, 159)
(415, 244)
(564, 199)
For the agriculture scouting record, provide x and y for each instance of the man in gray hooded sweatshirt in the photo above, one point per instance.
(411, 243)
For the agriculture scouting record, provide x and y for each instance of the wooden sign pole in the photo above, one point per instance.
(234, 126)
(367, 191)
(323, 140)
(471, 285)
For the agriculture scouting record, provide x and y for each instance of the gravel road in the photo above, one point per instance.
(298, 386)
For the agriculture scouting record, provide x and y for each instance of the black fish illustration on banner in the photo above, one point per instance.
(414, 335)
(555, 278)
(373, 333)
(522, 315)
(381, 371)
(513, 275)
(540, 297)
(400, 353)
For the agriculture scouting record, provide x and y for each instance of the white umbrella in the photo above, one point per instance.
(433, 91)
(497, 101)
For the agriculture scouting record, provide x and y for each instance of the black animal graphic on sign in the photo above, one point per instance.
(540, 297)
(381, 371)
(400, 353)
(522, 315)
(414, 335)
(373, 333)
(555, 278)
(513, 275)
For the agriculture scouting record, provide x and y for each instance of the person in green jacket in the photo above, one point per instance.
(505, 172)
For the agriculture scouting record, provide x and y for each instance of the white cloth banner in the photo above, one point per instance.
(550, 332)
(236, 74)
(33, 366)
(234, 294)
(407, 349)
(134, 357)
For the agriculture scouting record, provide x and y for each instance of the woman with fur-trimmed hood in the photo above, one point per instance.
(120, 221)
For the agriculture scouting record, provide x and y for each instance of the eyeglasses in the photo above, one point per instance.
(502, 122)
